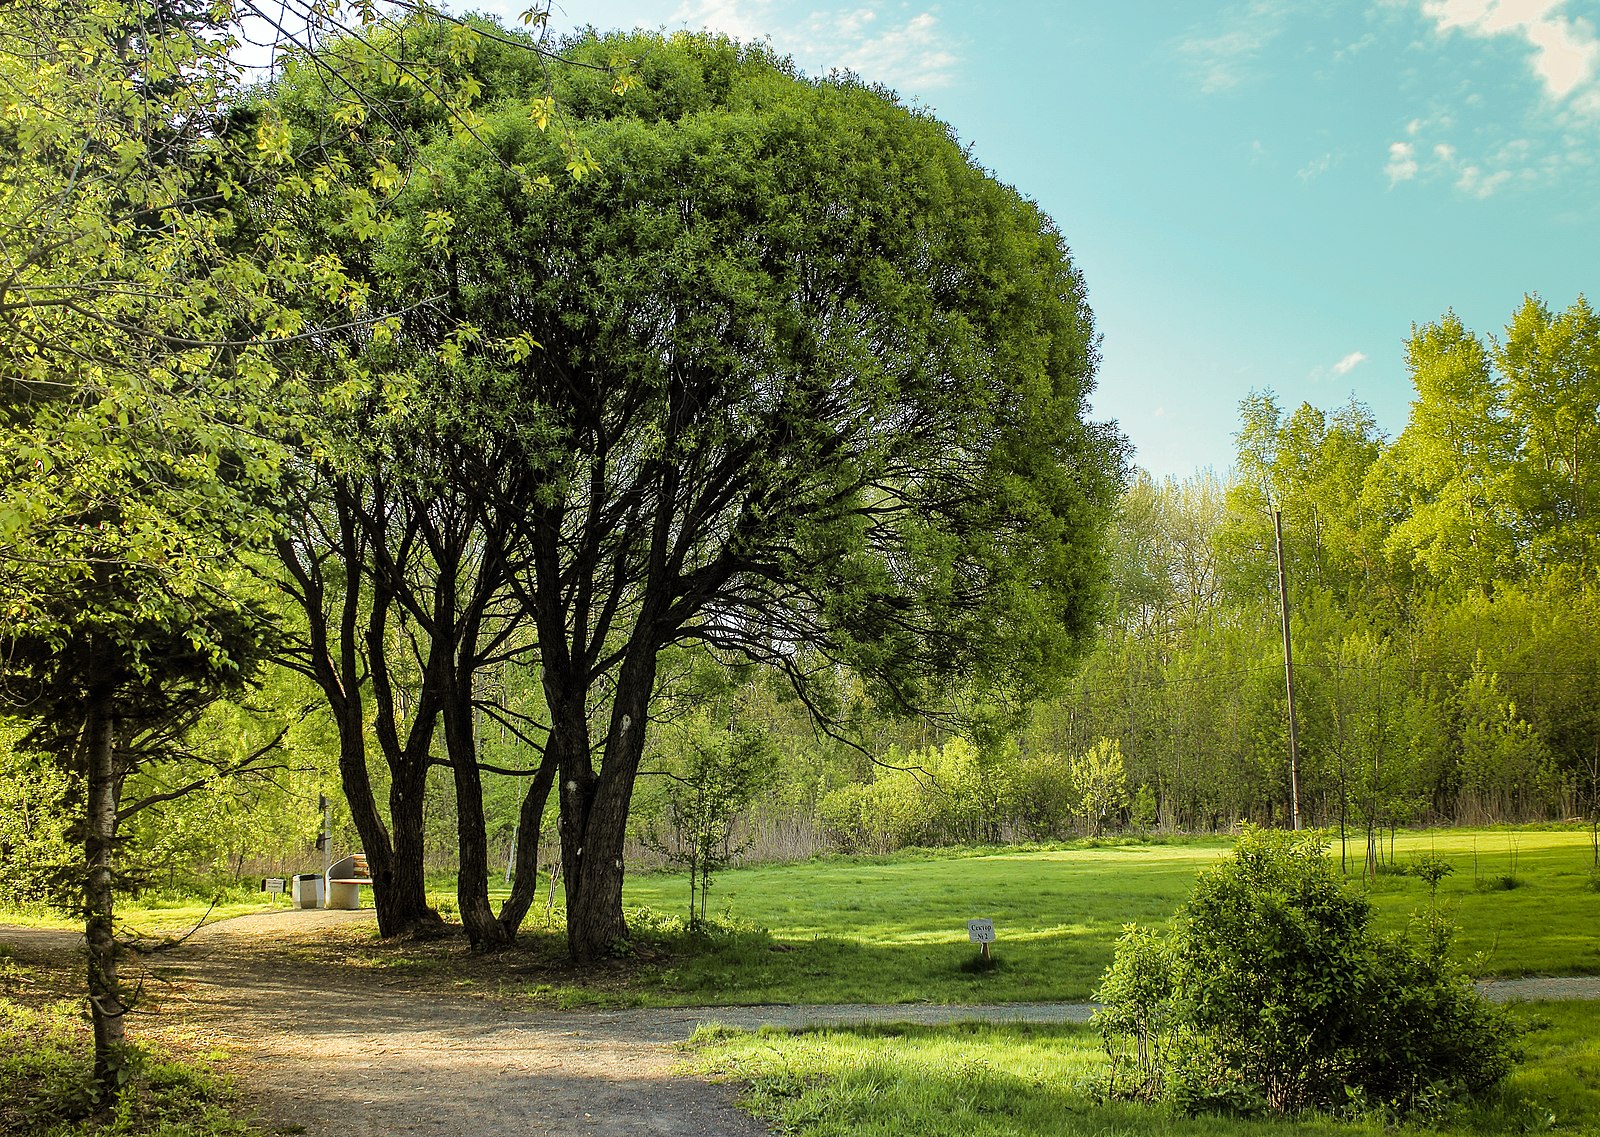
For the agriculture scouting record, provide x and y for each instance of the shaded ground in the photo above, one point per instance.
(335, 1050)
(327, 1042)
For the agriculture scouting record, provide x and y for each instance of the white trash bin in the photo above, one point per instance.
(307, 890)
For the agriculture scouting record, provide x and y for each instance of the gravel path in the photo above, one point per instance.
(335, 1051)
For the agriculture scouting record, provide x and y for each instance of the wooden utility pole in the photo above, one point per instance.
(1288, 671)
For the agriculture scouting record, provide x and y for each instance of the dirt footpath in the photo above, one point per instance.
(345, 1053)
(338, 1050)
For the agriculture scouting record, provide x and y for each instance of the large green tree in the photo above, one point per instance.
(1551, 365)
(815, 380)
(411, 461)
(141, 312)
(130, 468)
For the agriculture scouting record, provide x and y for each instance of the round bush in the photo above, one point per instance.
(1276, 995)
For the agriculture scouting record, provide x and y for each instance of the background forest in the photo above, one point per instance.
(1445, 626)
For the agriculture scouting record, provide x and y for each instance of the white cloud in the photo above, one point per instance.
(1566, 54)
(1481, 177)
(1349, 363)
(1355, 48)
(911, 54)
(881, 41)
(855, 23)
(1479, 183)
(1402, 166)
(1315, 168)
(1223, 57)
(741, 19)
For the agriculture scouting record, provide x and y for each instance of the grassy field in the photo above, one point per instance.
(1524, 901)
(894, 929)
(154, 916)
(1039, 1081)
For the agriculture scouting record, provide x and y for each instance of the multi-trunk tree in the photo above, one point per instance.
(141, 308)
(802, 385)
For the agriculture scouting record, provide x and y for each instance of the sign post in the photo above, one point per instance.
(325, 839)
(981, 932)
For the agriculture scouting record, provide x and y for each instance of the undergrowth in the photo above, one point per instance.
(45, 1084)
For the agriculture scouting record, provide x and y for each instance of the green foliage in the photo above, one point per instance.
(636, 328)
(1443, 602)
(1283, 999)
(712, 771)
(1042, 796)
(1042, 1081)
(37, 862)
(944, 795)
(1135, 1023)
(46, 1087)
(1503, 761)
(1102, 783)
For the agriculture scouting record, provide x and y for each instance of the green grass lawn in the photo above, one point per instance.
(894, 929)
(165, 915)
(1546, 924)
(1039, 1081)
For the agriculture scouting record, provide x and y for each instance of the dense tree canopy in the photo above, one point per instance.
(794, 375)
(141, 311)
(1442, 587)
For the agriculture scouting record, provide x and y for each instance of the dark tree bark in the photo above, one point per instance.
(595, 814)
(525, 882)
(108, 1003)
(483, 928)
(346, 623)
(410, 561)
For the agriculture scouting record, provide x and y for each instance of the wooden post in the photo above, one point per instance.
(1288, 672)
(327, 834)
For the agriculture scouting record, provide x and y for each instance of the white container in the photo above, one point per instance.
(307, 890)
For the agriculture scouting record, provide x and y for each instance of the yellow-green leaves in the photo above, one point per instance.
(580, 162)
(274, 140)
(519, 348)
(540, 111)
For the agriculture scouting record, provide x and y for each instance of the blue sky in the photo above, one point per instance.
(1265, 194)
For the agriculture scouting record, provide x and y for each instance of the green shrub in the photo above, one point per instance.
(1280, 997)
(944, 795)
(1136, 1022)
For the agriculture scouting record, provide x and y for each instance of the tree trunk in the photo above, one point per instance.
(402, 901)
(398, 887)
(525, 881)
(472, 882)
(107, 1001)
(394, 856)
(595, 816)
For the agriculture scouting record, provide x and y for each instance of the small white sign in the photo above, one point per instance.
(274, 884)
(980, 931)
